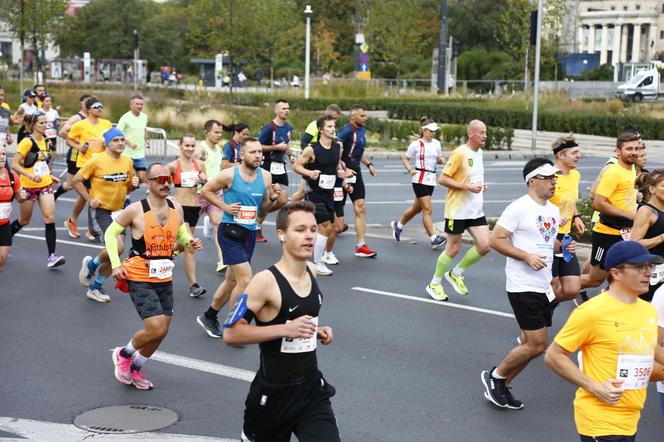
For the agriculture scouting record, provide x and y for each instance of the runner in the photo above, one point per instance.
(27, 108)
(310, 135)
(274, 137)
(427, 153)
(33, 163)
(617, 335)
(246, 193)
(615, 199)
(6, 121)
(52, 121)
(188, 173)
(210, 152)
(232, 148)
(40, 95)
(566, 280)
(320, 165)
(526, 234)
(70, 222)
(289, 394)
(111, 177)
(10, 189)
(463, 175)
(156, 223)
(354, 138)
(134, 124)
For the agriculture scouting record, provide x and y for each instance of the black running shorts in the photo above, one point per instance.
(5, 235)
(422, 190)
(325, 206)
(152, 298)
(457, 226)
(191, 215)
(532, 310)
(358, 187)
(562, 268)
(601, 244)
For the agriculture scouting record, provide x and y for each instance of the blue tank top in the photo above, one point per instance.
(250, 196)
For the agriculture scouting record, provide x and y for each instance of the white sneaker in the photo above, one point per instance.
(98, 295)
(85, 276)
(330, 259)
(207, 227)
(322, 270)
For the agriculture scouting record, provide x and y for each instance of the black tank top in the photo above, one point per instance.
(283, 367)
(656, 230)
(326, 161)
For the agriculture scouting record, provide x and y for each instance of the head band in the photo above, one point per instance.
(567, 145)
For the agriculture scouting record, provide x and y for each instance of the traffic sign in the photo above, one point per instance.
(364, 58)
(364, 47)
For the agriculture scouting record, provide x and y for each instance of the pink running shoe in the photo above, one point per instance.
(139, 381)
(122, 366)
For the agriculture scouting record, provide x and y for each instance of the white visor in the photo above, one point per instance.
(433, 127)
(544, 170)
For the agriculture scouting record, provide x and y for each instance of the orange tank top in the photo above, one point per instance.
(151, 257)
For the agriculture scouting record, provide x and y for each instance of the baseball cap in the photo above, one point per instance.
(629, 252)
(29, 93)
(433, 127)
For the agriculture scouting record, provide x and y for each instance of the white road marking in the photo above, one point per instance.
(433, 201)
(61, 241)
(204, 366)
(431, 301)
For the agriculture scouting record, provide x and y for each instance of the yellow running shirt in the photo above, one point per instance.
(41, 167)
(617, 340)
(84, 132)
(567, 193)
(109, 179)
(617, 185)
(464, 166)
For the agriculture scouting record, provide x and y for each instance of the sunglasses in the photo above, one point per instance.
(97, 106)
(161, 180)
(548, 178)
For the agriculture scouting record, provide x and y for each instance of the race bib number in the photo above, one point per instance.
(277, 168)
(50, 133)
(338, 194)
(352, 180)
(41, 168)
(626, 234)
(5, 210)
(114, 215)
(550, 295)
(161, 268)
(295, 345)
(429, 178)
(326, 181)
(634, 370)
(657, 274)
(189, 179)
(246, 215)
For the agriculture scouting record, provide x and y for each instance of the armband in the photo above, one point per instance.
(237, 312)
(183, 236)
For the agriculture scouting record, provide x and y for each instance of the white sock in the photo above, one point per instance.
(435, 280)
(495, 374)
(129, 348)
(319, 247)
(458, 270)
(432, 237)
(138, 359)
(399, 225)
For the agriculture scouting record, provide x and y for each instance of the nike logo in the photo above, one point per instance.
(292, 309)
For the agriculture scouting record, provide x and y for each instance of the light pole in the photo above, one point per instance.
(538, 44)
(136, 55)
(308, 12)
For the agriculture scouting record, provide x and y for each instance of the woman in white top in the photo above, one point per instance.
(426, 153)
(52, 120)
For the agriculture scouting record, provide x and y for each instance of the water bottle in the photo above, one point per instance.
(567, 255)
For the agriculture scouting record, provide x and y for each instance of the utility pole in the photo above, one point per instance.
(538, 45)
(442, 50)
(308, 12)
(22, 38)
(136, 56)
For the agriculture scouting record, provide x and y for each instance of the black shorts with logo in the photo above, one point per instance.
(358, 187)
(325, 206)
(457, 226)
(422, 190)
(601, 244)
(532, 309)
(151, 298)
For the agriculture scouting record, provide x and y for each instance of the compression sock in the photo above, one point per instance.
(50, 237)
(93, 264)
(59, 192)
(128, 350)
(138, 361)
(470, 258)
(15, 227)
(319, 247)
(211, 314)
(442, 265)
(98, 282)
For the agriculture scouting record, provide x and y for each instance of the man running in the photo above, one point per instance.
(274, 137)
(134, 124)
(232, 148)
(310, 135)
(289, 394)
(617, 335)
(463, 175)
(6, 121)
(111, 177)
(526, 235)
(354, 138)
(246, 194)
(156, 223)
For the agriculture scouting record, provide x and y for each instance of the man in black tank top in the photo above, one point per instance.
(289, 394)
(320, 165)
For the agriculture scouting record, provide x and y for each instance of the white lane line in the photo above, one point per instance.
(204, 366)
(431, 301)
(434, 201)
(61, 241)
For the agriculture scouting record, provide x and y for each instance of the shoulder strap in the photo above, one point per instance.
(274, 132)
(10, 174)
(146, 205)
(170, 203)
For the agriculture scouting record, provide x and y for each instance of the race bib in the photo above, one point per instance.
(550, 295)
(114, 215)
(338, 194)
(189, 179)
(295, 345)
(246, 215)
(352, 180)
(41, 168)
(626, 234)
(657, 274)
(634, 370)
(277, 168)
(326, 181)
(5, 210)
(50, 133)
(161, 268)
(429, 178)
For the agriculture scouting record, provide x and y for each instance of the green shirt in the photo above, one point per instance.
(212, 159)
(312, 129)
(133, 128)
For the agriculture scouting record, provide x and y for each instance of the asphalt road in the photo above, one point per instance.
(405, 367)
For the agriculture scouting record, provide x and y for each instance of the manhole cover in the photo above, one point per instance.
(123, 419)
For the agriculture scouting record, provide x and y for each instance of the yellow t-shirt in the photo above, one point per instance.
(617, 184)
(41, 167)
(464, 166)
(567, 193)
(606, 329)
(6, 106)
(109, 179)
(84, 132)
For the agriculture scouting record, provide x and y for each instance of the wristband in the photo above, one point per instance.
(370, 164)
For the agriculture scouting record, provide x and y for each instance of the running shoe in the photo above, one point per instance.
(98, 295)
(437, 292)
(139, 381)
(259, 236)
(396, 231)
(330, 259)
(438, 242)
(55, 260)
(122, 366)
(207, 227)
(221, 267)
(90, 236)
(365, 252)
(495, 389)
(457, 282)
(85, 276)
(72, 228)
(196, 291)
(212, 328)
(512, 402)
(322, 270)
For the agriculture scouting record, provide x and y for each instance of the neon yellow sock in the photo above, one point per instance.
(442, 265)
(470, 258)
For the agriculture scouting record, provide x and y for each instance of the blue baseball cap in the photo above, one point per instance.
(112, 133)
(629, 252)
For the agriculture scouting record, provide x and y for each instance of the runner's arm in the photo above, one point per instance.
(306, 157)
(558, 359)
(210, 189)
(269, 189)
(500, 243)
(111, 243)
(642, 222)
(17, 165)
(405, 160)
(593, 187)
(80, 187)
(658, 367)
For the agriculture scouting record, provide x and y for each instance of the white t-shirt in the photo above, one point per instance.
(426, 157)
(51, 122)
(27, 109)
(534, 228)
(658, 303)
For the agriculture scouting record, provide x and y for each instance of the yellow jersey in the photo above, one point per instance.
(617, 185)
(109, 179)
(41, 166)
(567, 193)
(465, 166)
(85, 132)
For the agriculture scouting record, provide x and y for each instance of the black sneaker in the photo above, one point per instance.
(512, 402)
(196, 291)
(211, 327)
(495, 389)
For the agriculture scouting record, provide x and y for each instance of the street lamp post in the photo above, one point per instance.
(538, 51)
(308, 12)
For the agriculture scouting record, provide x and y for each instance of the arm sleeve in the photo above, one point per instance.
(576, 331)
(111, 243)
(183, 237)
